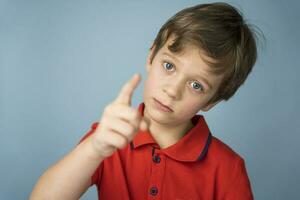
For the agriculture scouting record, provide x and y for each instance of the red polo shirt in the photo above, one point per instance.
(198, 167)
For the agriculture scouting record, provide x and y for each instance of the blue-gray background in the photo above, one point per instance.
(61, 62)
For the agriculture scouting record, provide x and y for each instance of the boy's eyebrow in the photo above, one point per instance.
(201, 77)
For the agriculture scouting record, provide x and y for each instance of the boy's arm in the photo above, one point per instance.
(240, 189)
(70, 177)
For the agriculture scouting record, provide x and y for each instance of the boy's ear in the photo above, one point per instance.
(148, 65)
(209, 106)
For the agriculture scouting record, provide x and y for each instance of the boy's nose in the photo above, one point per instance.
(173, 90)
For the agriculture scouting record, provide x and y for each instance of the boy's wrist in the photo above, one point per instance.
(90, 151)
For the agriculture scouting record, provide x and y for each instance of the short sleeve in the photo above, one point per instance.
(90, 132)
(241, 187)
(96, 176)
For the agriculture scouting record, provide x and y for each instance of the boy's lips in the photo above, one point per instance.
(163, 105)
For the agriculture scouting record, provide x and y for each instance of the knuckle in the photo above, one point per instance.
(130, 129)
(110, 109)
(105, 122)
(129, 138)
(107, 109)
(127, 131)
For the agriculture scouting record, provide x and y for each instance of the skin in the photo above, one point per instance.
(172, 81)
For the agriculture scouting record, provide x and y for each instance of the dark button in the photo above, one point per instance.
(156, 159)
(153, 191)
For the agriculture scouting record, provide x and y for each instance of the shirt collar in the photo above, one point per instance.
(193, 146)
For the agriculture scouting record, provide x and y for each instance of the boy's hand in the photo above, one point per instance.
(119, 123)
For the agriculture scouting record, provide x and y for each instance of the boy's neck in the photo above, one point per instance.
(166, 136)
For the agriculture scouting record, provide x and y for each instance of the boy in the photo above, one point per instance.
(163, 149)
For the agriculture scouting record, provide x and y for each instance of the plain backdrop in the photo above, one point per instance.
(62, 62)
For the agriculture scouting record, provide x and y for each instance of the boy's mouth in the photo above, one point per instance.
(162, 106)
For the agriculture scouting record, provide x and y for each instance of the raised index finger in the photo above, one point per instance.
(126, 92)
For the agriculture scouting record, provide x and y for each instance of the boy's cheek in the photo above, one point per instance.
(149, 87)
(154, 79)
(188, 106)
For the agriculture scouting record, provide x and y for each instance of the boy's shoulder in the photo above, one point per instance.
(222, 152)
(217, 150)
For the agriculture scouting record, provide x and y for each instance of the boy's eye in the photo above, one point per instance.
(196, 86)
(168, 66)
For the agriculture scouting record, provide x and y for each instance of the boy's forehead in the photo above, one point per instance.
(189, 52)
(187, 46)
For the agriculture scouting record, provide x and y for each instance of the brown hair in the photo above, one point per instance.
(219, 30)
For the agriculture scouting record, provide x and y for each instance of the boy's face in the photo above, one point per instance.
(181, 82)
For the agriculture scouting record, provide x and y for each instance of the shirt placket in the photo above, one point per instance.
(157, 174)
